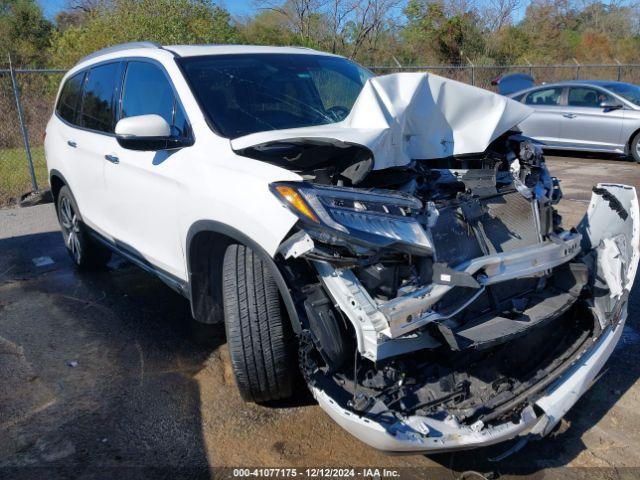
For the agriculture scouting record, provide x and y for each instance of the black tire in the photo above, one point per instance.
(634, 149)
(259, 336)
(85, 252)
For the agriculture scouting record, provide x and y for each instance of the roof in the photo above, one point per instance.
(596, 83)
(600, 83)
(195, 50)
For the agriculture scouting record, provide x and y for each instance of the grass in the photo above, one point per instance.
(15, 179)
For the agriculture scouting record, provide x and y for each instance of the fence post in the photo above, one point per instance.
(23, 127)
(619, 69)
(473, 71)
(577, 68)
(530, 67)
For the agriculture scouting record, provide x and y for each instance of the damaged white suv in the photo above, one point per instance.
(392, 238)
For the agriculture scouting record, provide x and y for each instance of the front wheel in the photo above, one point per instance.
(258, 333)
(635, 148)
(85, 252)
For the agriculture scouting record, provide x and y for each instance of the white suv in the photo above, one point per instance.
(393, 238)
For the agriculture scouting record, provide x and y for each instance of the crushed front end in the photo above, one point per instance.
(443, 305)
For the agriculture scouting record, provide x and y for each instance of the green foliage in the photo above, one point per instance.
(14, 172)
(24, 31)
(267, 28)
(431, 32)
(509, 45)
(370, 31)
(163, 21)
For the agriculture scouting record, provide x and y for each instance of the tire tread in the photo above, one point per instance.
(257, 334)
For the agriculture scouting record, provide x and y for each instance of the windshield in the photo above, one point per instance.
(626, 90)
(248, 93)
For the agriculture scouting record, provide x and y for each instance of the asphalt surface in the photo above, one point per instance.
(104, 375)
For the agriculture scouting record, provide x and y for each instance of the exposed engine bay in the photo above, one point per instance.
(446, 291)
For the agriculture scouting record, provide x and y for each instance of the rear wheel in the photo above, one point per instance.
(258, 333)
(85, 252)
(635, 148)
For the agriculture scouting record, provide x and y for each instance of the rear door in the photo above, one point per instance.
(64, 137)
(586, 125)
(92, 136)
(544, 123)
(144, 186)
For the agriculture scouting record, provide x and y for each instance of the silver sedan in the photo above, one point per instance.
(593, 116)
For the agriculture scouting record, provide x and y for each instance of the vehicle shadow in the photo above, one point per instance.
(567, 441)
(115, 376)
(104, 380)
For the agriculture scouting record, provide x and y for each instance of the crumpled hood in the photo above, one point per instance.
(407, 116)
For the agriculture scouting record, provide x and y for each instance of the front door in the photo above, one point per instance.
(586, 125)
(144, 186)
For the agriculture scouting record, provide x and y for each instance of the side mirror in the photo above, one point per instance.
(147, 133)
(610, 105)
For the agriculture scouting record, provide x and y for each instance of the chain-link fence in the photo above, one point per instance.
(26, 101)
(27, 96)
(482, 75)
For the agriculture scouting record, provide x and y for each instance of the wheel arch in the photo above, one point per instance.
(630, 140)
(56, 181)
(206, 242)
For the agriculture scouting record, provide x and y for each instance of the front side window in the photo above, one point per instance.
(248, 93)
(627, 91)
(69, 100)
(97, 112)
(586, 97)
(546, 96)
(147, 91)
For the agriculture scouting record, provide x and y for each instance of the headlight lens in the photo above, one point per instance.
(375, 218)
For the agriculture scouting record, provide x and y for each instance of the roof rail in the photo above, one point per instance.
(120, 47)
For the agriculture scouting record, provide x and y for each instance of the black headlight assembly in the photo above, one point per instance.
(374, 219)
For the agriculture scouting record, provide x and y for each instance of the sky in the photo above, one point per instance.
(235, 7)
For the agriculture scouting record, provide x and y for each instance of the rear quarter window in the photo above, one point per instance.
(69, 100)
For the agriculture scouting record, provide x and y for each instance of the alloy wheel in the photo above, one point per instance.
(71, 228)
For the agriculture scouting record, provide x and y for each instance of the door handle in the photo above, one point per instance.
(569, 115)
(71, 143)
(112, 158)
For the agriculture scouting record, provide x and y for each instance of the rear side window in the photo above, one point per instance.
(69, 100)
(546, 96)
(97, 112)
(587, 97)
(147, 91)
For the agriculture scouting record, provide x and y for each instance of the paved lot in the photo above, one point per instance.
(105, 371)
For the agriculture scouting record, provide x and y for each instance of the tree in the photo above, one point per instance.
(267, 28)
(162, 21)
(25, 33)
(435, 26)
(297, 13)
(551, 26)
(499, 13)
